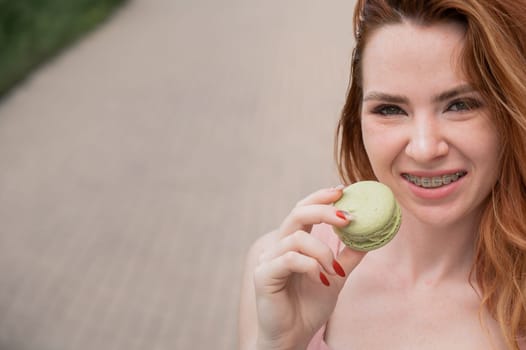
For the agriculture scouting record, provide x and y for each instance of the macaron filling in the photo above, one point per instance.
(371, 241)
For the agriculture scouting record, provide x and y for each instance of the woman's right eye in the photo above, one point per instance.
(388, 110)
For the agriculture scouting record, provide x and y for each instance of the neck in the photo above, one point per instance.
(432, 253)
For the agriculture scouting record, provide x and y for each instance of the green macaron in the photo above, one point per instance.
(376, 215)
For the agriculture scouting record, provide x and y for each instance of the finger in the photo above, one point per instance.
(323, 196)
(303, 243)
(272, 276)
(303, 217)
(348, 259)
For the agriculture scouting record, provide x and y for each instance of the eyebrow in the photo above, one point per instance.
(444, 96)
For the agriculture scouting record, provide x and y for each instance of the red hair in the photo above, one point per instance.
(494, 61)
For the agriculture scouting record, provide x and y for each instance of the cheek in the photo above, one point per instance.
(481, 143)
(490, 155)
(381, 145)
(369, 141)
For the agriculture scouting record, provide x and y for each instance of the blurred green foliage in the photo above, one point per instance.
(31, 31)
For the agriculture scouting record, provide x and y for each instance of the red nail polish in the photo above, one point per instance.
(338, 268)
(341, 215)
(324, 279)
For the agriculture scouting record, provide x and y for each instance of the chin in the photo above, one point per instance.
(444, 217)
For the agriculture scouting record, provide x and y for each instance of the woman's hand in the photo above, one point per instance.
(297, 279)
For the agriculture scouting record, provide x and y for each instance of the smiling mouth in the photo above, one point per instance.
(435, 181)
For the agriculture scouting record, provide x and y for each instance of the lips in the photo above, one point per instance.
(434, 181)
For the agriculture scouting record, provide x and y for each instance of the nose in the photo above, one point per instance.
(426, 140)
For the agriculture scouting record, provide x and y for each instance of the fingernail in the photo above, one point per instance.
(337, 188)
(338, 268)
(344, 215)
(324, 279)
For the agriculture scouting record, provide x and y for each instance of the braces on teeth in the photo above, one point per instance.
(435, 181)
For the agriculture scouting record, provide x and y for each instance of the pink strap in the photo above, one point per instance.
(317, 342)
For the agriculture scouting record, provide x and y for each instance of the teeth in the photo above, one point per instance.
(435, 181)
(426, 182)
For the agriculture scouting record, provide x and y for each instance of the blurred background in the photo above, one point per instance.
(144, 145)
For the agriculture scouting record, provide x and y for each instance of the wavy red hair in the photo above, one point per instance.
(494, 61)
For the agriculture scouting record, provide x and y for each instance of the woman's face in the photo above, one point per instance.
(427, 133)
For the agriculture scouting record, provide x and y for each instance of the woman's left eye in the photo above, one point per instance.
(463, 105)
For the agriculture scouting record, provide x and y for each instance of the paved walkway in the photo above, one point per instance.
(138, 166)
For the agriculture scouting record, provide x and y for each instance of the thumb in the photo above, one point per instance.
(349, 259)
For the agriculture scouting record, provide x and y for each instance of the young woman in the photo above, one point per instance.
(438, 91)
